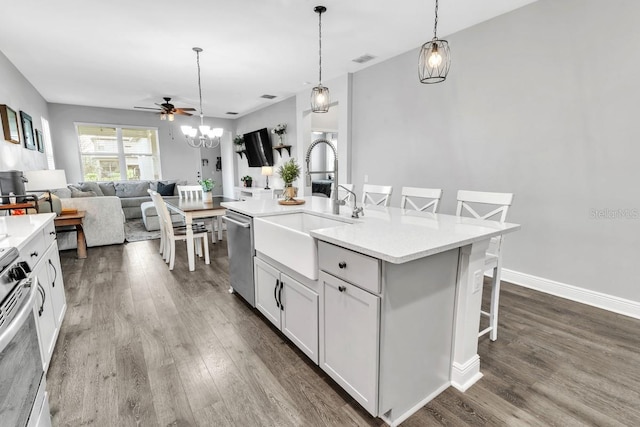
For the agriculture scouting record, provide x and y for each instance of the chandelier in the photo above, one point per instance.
(320, 94)
(208, 137)
(435, 58)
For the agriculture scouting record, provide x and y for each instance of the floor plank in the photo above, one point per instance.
(141, 345)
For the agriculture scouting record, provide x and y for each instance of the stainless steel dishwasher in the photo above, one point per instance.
(241, 252)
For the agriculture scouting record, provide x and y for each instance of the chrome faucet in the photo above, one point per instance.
(356, 210)
(336, 203)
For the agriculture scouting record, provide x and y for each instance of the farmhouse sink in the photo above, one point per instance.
(286, 239)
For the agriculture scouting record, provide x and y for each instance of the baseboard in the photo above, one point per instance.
(465, 375)
(585, 296)
(397, 421)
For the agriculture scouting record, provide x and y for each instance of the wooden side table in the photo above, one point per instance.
(74, 219)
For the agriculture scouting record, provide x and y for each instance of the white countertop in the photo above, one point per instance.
(16, 230)
(391, 234)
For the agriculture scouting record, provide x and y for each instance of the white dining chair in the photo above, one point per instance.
(379, 195)
(497, 205)
(172, 234)
(413, 195)
(194, 192)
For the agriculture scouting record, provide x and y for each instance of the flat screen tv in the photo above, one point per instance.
(258, 146)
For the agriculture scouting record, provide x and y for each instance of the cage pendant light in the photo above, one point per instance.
(320, 94)
(435, 58)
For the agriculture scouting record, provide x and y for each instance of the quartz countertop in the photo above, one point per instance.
(391, 234)
(16, 230)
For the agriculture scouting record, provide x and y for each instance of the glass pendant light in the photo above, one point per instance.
(435, 58)
(320, 98)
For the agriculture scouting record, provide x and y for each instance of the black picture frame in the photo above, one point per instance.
(39, 141)
(10, 125)
(27, 131)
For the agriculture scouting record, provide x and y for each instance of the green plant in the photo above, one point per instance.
(289, 171)
(207, 184)
(246, 178)
(238, 140)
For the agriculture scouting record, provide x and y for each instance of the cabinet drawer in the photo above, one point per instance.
(361, 270)
(49, 234)
(33, 251)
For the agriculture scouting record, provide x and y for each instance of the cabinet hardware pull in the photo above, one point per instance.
(342, 288)
(34, 253)
(53, 282)
(280, 296)
(342, 264)
(51, 233)
(275, 293)
(44, 297)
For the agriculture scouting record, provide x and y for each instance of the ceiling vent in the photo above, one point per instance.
(268, 96)
(364, 58)
(233, 113)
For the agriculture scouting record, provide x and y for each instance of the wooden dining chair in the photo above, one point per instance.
(413, 195)
(497, 205)
(194, 192)
(379, 195)
(172, 234)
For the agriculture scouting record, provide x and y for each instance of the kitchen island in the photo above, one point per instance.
(393, 313)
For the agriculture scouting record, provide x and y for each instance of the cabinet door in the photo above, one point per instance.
(43, 311)
(300, 316)
(54, 270)
(268, 291)
(349, 337)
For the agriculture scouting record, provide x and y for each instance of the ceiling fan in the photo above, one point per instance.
(167, 110)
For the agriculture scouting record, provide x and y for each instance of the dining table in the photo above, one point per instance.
(191, 209)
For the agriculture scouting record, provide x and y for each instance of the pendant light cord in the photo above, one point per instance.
(435, 24)
(320, 46)
(199, 86)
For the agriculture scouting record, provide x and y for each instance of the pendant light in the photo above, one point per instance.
(320, 94)
(435, 58)
(209, 138)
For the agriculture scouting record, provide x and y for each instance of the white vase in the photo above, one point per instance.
(207, 196)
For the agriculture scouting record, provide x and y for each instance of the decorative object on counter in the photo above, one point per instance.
(10, 126)
(435, 58)
(320, 98)
(27, 131)
(267, 171)
(209, 138)
(207, 188)
(289, 172)
(47, 180)
(280, 130)
(247, 180)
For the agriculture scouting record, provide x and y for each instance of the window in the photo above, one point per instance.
(48, 147)
(110, 153)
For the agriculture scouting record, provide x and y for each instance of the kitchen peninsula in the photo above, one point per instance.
(392, 313)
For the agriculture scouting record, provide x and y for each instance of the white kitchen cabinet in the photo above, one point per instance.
(349, 339)
(45, 317)
(289, 305)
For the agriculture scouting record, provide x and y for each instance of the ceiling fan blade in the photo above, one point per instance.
(148, 108)
(187, 109)
(182, 113)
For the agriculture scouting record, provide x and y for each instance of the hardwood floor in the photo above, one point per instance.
(141, 345)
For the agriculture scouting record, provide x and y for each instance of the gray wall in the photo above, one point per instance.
(178, 160)
(281, 112)
(17, 93)
(541, 102)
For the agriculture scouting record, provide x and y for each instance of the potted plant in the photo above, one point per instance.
(280, 130)
(247, 180)
(207, 187)
(238, 141)
(289, 172)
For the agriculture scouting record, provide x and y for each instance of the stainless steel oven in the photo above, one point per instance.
(22, 380)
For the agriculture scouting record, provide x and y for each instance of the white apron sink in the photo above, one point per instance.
(286, 239)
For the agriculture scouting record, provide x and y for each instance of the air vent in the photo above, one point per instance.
(233, 113)
(364, 58)
(268, 96)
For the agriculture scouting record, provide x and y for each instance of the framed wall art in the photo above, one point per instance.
(10, 124)
(27, 131)
(39, 141)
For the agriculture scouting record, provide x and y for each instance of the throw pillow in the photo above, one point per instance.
(166, 189)
(108, 188)
(78, 193)
(91, 186)
(132, 189)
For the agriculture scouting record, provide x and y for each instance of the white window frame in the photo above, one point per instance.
(121, 155)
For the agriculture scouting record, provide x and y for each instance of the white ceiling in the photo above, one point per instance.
(126, 53)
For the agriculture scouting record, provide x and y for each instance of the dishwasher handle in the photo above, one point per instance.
(233, 221)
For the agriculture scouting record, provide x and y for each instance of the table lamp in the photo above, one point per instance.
(267, 171)
(45, 181)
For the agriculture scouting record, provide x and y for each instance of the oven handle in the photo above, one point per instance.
(233, 221)
(21, 317)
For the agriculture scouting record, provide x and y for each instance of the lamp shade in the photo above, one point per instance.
(267, 170)
(44, 180)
